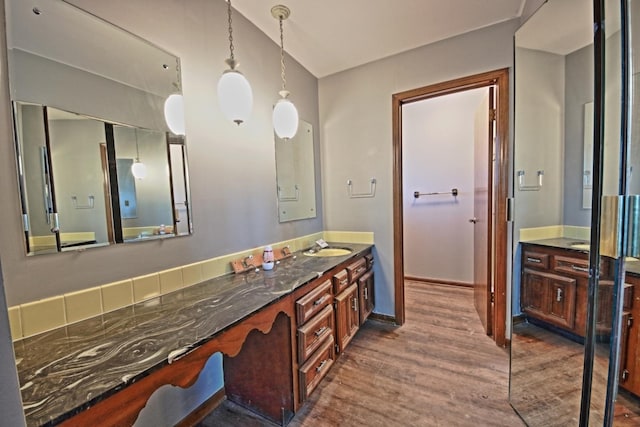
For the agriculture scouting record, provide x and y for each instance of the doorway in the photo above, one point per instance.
(490, 290)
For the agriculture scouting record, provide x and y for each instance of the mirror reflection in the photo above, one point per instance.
(295, 175)
(554, 80)
(88, 113)
(554, 131)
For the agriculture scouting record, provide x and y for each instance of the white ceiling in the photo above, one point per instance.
(560, 26)
(328, 36)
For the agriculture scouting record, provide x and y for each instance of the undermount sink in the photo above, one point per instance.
(326, 252)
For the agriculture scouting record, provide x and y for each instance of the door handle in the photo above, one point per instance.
(473, 220)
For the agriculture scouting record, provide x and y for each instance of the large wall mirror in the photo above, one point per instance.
(573, 341)
(88, 101)
(295, 175)
(553, 82)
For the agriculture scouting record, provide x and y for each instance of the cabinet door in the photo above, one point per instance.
(534, 293)
(347, 316)
(365, 290)
(562, 301)
(549, 297)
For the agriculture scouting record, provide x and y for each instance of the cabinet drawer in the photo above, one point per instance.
(535, 260)
(573, 266)
(313, 302)
(314, 332)
(340, 281)
(356, 269)
(312, 372)
(369, 258)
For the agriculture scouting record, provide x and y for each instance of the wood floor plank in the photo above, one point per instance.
(439, 369)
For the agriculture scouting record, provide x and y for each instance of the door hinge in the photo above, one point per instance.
(629, 322)
(625, 375)
(510, 209)
(493, 297)
(337, 348)
(492, 114)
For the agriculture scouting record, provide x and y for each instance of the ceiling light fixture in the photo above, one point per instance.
(234, 91)
(138, 169)
(285, 114)
(174, 113)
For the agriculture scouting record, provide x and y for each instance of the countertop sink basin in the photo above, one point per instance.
(329, 252)
(581, 246)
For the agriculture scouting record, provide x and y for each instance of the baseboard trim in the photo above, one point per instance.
(438, 281)
(382, 318)
(520, 318)
(201, 412)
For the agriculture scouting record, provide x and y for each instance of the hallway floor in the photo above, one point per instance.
(439, 369)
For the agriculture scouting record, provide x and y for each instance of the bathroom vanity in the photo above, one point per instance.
(279, 332)
(554, 283)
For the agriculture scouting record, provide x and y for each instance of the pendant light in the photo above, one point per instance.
(138, 169)
(234, 92)
(285, 114)
(174, 113)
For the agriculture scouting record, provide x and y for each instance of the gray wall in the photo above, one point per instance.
(153, 193)
(539, 137)
(233, 178)
(355, 112)
(578, 91)
(77, 171)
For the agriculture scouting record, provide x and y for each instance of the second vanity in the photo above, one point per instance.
(279, 332)
(554, 282)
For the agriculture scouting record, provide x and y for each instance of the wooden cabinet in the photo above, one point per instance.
(549, 297)
(554, 288)
(315, 322)
(329, 312)
(366, 295)
(347, 316)
(354, 300)
(630, 337)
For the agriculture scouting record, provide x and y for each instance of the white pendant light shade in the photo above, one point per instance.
(174, 113)
(235, 96)
(138, 170)
(285, 119)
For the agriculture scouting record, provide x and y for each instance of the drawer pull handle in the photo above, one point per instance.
(320, 331)
(535, 260)
(319, 301)
(558, 295)
(582, 269)
(625, 375)
(321, 365)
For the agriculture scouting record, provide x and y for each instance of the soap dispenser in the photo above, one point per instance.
(267, 258)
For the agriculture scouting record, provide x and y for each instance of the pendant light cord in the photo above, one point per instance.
(137, 152)
(230, 30)
(284, 80)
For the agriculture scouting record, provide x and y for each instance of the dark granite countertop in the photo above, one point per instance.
(632, 265)
(65, 371)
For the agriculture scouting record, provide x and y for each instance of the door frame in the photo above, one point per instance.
(499, 78)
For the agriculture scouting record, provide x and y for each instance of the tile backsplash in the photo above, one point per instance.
(39, 316)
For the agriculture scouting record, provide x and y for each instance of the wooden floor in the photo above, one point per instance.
(439, 369)
(547, 381)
